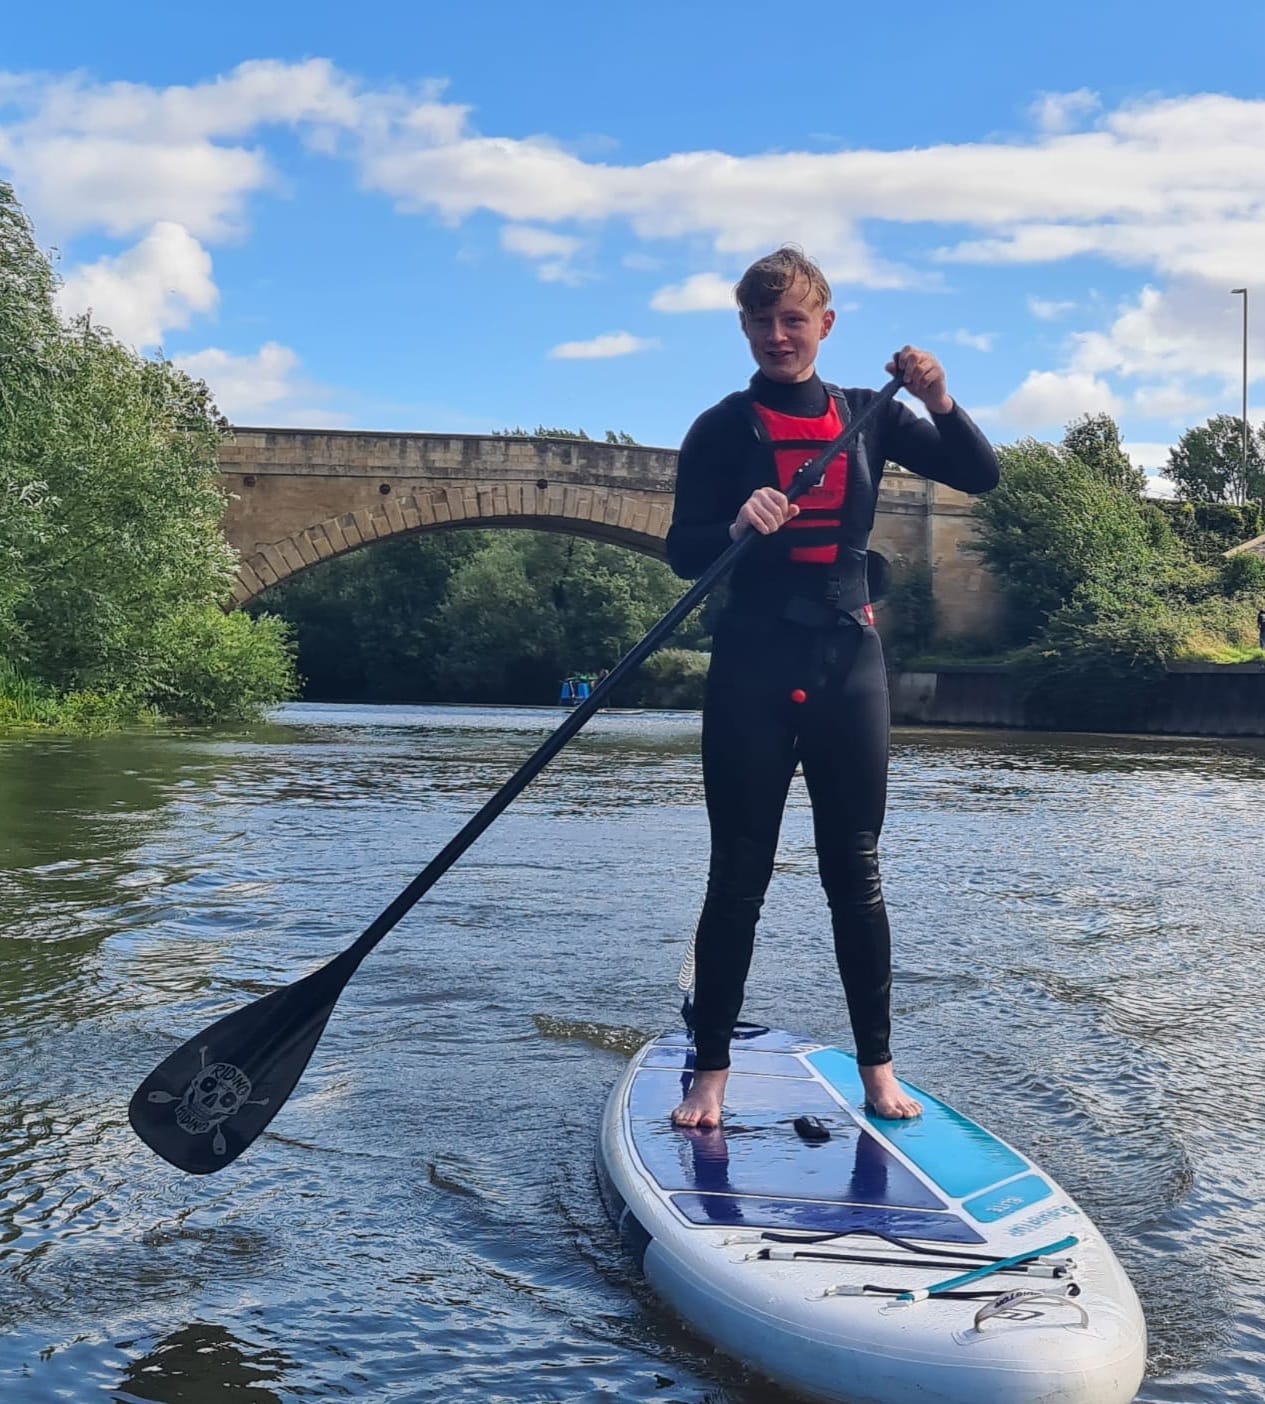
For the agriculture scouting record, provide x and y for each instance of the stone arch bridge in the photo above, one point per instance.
(302, 496)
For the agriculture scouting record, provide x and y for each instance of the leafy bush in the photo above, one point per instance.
(672, 678)
(212, 666)
(25, 702)
(1243, 574)
(1054, 527)
(1210, 529)
(1098, 661)
(908, 619)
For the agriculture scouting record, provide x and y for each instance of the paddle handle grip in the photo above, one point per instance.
(805, 478)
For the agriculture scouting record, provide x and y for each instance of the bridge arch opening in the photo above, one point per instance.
(611, 516)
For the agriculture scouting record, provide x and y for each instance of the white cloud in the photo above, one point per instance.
(1172, 186)
(1191, 329)
(261, 388)
(551, 252)
(1174, 400)
(1048, 310)
(1049, 399)
(1151, 456)
(151, 288)
(1182, 345)
(603, 347)
(75, 183)
(122, 156)
(704, 292)
(1057, 112)
(976, 341)
(1166, 185)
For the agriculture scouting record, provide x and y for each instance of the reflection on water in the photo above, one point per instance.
(1079, 943)
(201, 1364)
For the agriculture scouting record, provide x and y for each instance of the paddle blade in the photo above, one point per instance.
(206, 1102)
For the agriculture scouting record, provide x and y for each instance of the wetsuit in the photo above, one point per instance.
(797, 676)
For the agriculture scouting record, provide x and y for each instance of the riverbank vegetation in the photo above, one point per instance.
(1104, 588)
(113, 565)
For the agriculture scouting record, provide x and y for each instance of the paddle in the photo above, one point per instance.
(206, 1102)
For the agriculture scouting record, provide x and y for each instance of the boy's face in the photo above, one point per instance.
(784, 337)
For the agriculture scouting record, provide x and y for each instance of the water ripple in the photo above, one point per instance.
(1078, 950)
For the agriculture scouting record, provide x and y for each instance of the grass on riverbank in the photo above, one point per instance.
(1211, 652)
(26, 705)
(1217, 631)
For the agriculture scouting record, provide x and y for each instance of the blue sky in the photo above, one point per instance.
(469, 217)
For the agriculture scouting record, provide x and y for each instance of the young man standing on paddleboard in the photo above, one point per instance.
(797, 674)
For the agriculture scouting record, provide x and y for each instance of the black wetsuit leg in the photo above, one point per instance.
(843, 743)
(749, 757)
(753, 736)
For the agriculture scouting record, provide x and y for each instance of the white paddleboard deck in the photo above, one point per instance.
(755, 1236)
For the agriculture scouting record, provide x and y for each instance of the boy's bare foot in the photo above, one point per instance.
(703, 1104)
(884, 1096)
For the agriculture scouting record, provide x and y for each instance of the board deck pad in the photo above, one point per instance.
(755, 1172)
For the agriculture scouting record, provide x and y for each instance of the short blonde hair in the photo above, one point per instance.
(776, 273)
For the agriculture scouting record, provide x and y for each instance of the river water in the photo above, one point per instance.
(1080, 952)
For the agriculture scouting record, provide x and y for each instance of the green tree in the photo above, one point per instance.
(1095, 440)
(532, 607)
(501, 636)
(909, 611)
(1207, 463)
(110, 538)
(541, 431)
(368, 624)
(30, 344)
(1244, 574)
(473, 615)
(1098, 660)
(1054, 525)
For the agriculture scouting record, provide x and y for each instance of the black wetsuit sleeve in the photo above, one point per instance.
(950, 449)
(708, 491)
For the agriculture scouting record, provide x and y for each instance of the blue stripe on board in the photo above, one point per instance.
(959, 1156)
(734, 1211)
(1005, 1200)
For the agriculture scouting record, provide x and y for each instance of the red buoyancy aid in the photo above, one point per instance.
(794, 440)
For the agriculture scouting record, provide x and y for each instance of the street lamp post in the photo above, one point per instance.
(1234, 293)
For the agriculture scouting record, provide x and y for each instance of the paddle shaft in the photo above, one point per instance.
(805, 478)
(1000, 1266)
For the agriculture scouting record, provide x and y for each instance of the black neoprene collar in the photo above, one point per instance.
(806, 399)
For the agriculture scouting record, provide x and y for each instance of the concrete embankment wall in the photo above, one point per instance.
(1194, 699)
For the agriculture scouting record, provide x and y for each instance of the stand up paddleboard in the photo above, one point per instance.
(858, 1260)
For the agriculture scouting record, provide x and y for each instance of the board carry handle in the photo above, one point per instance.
(1065, 1296)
